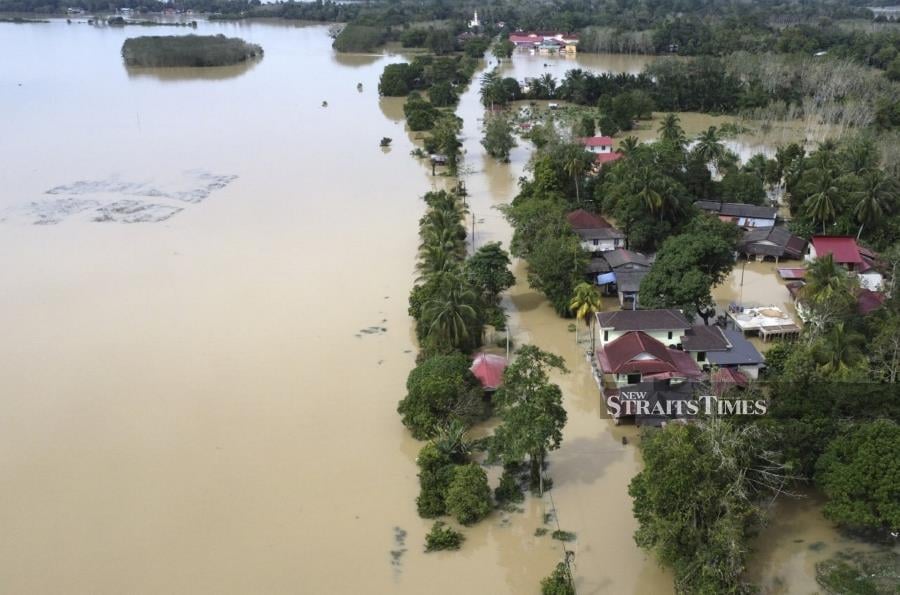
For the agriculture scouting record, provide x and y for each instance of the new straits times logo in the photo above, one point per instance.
(637, 403)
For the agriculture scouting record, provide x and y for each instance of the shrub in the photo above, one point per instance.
(509, 489)
(559, 582)
(442, 537)
(469, 495)
(435, 475)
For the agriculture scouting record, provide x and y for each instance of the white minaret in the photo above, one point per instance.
(474, 22)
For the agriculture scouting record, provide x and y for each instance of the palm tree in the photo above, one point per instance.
(710, 148)
(547, 84)
(827, 294)
(820, 203)
(826, 281)
(490, 82)
(585, 304)
(628, 146)
(451, 316)
(670, 130)
(575, 167)
(874, 193)
(839, 350)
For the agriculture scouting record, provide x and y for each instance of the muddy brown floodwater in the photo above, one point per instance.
(205, 335)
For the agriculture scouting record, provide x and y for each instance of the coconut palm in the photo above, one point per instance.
(824, 195)
(839, 350)
(547, 85)
(670, 130)
(871, 198)
(451, 316)
(575, 166)
(585, 304)
(709, 147)
(828, 290)
(628, 146)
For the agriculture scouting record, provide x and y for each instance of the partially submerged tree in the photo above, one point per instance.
(440, 390)
(498, 140)
(531, 410)
(689, 265)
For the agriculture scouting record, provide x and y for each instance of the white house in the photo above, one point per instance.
(596, 234)
(666, 326)
(598, 145)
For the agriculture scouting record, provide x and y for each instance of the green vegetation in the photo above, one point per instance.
(359, 38)
(441, 390)
(559, 582)
(698, 500)
(860, 474)
(188, 50)
(531, 412)
(860, 573)
(689, 265)
(442, 537)
(469, 495)
(498, 140)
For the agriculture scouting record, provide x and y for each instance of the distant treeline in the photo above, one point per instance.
(188, 50)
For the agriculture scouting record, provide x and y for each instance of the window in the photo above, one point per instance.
(634, 378)
(701, 356)
(670, 335)
(596, 242)
(605, 336)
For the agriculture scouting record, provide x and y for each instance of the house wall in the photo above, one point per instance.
(599, 150)
(754, 222)
(601, 245)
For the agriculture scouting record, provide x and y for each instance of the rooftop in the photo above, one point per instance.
(704, 338)
(741, 353)
(597, 141)
(581, 219)
(488, 368)
(621, 257)
(643, 320)
(736, 209)
(843, 249)
(638, 352)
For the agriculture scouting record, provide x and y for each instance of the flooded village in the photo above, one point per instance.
(208, 325)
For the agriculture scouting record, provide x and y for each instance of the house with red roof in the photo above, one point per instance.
(488, 368)
(596, 234)
(843, 249)
(597, 144)
(637, 357)
(847, 253)
(604, 158)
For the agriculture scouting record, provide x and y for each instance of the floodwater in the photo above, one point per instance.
(205, 333)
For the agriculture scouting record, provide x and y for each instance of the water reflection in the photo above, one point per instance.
(180, 74)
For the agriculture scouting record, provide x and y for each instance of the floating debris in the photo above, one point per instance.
(105, 200)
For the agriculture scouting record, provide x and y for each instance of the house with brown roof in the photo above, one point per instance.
(596, 234)
(743, 215)
(771, 242)
(637, 357)
(664, 325)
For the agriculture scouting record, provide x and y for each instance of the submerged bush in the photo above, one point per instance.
(442, 537)
(187, 50)
(469, 495)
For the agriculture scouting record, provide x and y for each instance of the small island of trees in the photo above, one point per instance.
(188, 50)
